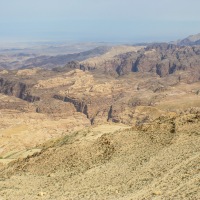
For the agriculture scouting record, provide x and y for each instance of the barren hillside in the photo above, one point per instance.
(160, 160)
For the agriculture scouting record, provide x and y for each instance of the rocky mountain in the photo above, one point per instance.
(159, 59)
(166, 59)
(190, 40)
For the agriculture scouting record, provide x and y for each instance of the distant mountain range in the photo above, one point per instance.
(52, 57)
(190, 40)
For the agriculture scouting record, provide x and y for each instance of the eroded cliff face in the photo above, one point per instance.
(17, 89)
(161, 59)
(166, 59)
(100, 98)
(79, 106)
(97, 110)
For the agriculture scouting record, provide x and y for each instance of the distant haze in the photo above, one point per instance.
(98, 21)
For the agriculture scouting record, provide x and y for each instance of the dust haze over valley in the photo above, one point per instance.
(107, 111)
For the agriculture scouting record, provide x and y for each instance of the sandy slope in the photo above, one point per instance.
(156, 161)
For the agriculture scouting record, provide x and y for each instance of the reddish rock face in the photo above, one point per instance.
(161, 59)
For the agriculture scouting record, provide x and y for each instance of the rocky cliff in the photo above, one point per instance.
(162, 59)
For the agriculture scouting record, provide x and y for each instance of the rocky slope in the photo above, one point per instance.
(161, 59)
(130, 99)
(165, 59)
(159, 160)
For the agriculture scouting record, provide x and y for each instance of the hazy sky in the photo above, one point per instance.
(98, 20)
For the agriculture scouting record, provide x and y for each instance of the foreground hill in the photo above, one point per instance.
(160, 160)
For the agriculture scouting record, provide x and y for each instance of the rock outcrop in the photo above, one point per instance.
(161, 59)
(17, 89)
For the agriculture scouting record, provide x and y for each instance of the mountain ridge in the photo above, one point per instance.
(190, 40)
